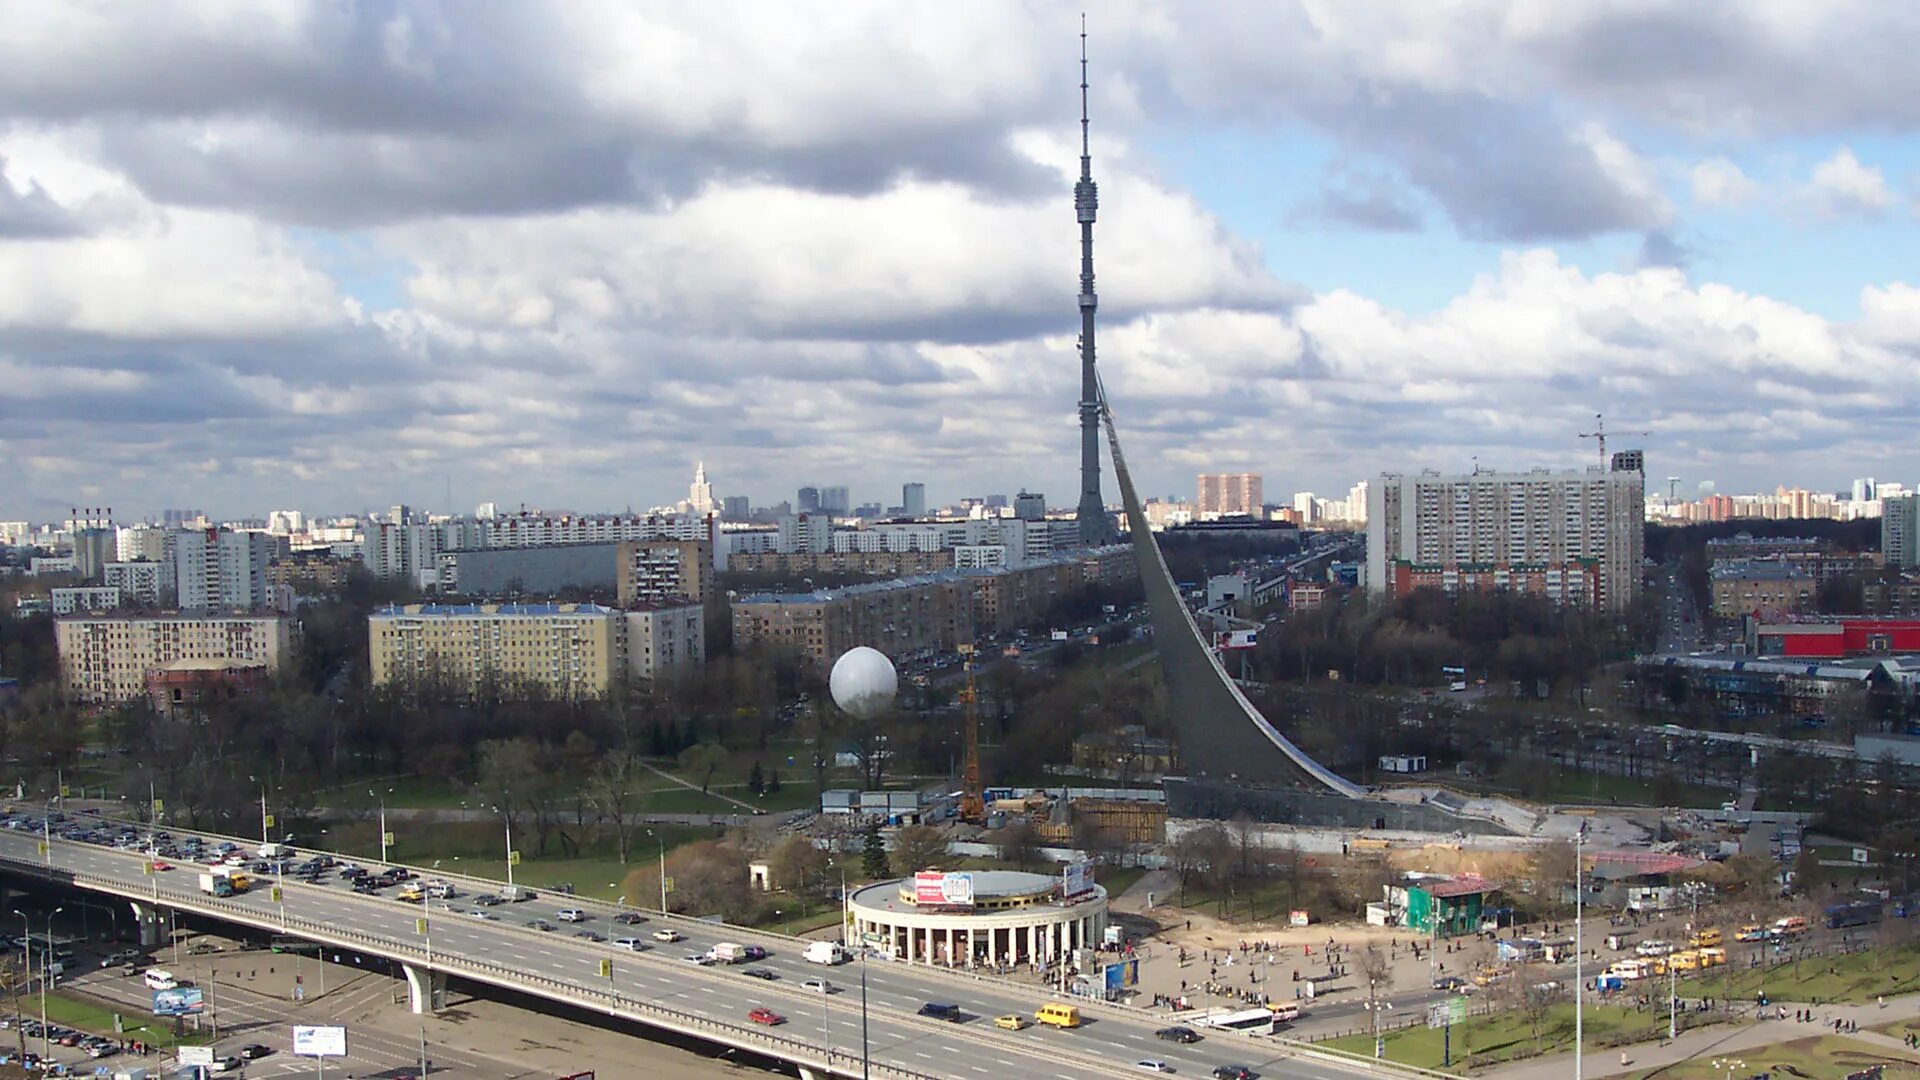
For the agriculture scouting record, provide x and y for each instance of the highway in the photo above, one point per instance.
(659, 986)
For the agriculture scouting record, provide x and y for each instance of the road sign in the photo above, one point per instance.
(513, 858)
(275, 894)
(420, 926)
(387, 839)
(196, 1055)
(268, 821)
(158, 806)
(669, 884)
(606, 968)
(1448, 1012)
(64, 790)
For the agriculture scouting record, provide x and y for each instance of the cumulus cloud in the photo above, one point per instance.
(1841, 186)
(1718, 182)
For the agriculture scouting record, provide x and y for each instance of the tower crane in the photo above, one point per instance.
(973, 803)
(1599, 433)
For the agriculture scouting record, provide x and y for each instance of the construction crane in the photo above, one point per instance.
(973, 803)
(1599, 433)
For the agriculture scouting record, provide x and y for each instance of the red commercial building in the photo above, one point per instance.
(1833, 639)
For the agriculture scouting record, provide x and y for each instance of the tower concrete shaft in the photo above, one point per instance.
(1095, 526)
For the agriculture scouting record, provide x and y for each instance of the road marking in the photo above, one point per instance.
(918, 1054)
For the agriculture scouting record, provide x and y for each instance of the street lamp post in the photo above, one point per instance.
(661, 840)
(507, 820)
(46, 962)
(1579, 955)
(26, 964)
(383, 828)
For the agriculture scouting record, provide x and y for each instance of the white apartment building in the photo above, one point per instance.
(1218, 494)
(1900, 530)
(144, 543)
(219, 569)
(1566, 534)
(660, 642)
(142, 582)
(88, 599)
(106, 658)
(570, 650)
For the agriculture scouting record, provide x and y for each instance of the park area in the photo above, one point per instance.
(1853, 978)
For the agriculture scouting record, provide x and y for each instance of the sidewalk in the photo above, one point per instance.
(1648, 1059)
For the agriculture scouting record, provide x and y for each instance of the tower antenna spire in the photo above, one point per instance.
(1095, 526)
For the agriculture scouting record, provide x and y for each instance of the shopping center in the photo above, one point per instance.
(983, 918)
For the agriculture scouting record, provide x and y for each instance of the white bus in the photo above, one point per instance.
(1258, 1021)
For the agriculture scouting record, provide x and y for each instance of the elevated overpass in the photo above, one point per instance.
(824, 1034)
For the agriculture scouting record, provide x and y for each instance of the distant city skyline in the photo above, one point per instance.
(556, 254)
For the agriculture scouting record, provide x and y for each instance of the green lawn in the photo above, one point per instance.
(1825, 1057)
(86, 1014)
(1564, 785)
(1507, 1035)
(1855, 977)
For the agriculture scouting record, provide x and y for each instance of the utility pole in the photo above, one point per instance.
(1579, 952)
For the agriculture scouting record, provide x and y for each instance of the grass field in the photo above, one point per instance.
(85, 1014)
(1857, 977)
(1827, 1057)
(1564, 785)
(1502, 1036)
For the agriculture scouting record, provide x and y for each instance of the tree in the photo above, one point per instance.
(874, 854)
(1019, 844)
(756, 780)
(609, 789)
(1553, 874)
(1377, 972)
(710, 878)
(799, 867)
(773, 783)
(701, 760)
(918, 847)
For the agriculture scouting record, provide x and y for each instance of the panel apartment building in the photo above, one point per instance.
(570, 650)
(1575, 536)
(931, 612)
(106, 659)
(1219, 494)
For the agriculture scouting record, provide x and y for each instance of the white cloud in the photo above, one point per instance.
(1841, 185)
(1718, 182)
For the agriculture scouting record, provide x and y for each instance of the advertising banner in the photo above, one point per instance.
(179, 1001)
(931, 888)
(1076, 879)
(1298, 917)
(196, 1055)
(319, 1041)
(1122, 975)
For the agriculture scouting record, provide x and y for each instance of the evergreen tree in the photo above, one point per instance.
(773, 783)
(755, 782)
(874, 858)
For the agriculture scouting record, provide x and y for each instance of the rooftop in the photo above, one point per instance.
(821, 596)
(454, 611)
(1758, 570)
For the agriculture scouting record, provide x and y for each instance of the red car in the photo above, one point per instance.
(767, 1017)
(162, 864)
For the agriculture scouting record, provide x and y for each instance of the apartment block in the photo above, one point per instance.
(569, 650)
(1542, 531)
(1228, 493)
(222, 569)
(1900, 531)
(105, 659)
(87, 599)
(664, 571)
(310, 572)
(148, 583)
(1749, 586)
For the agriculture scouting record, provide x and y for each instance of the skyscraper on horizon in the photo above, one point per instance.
(913, 499)
(1095, 526)
(700, 492)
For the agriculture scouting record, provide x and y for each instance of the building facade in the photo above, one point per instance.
(104, 659)
(660, 642)
(1219, 494)
(1749, 586)
(90, 598)
(568, 650)
(149, 583)
(222, 569)
(1900, 531)
(1574, 537)
(1009, 918)
(530, 571)
(664, 571)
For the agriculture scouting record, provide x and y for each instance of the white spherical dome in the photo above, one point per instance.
(863, 682)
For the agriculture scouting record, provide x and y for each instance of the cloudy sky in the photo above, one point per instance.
(342, 254)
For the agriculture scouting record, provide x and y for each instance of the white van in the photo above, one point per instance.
(826, 952)
(157, 979)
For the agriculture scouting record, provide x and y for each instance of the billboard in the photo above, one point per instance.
(1076, 879)
(1121, 975)
(196, 1055)
(1237, 639)
(931, 888)
(179, 1001)
(319, 1041)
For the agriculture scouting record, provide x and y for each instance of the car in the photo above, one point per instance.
(668, 934)
(226, 1064)
(161, 866)
(572, 914)
(482, 913)
(1179, 1033)
(942, 1011)
(767, 1017)
(819, 986)
(541, 925)
(629, 918)
(700, 958)
(588, 935)
(255, 1051)
(631, 944)
(760, 973)
(753, 952)
(1012, 1022)
(488, 900)
(1450, 982)
(1234, 1072)
(1152, 1065)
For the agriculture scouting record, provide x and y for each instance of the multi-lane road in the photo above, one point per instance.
(660, 985)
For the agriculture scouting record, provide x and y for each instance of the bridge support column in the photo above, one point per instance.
(809, 1073)
(426, 990)
(149, 920)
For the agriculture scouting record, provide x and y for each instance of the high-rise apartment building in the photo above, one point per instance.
(664, 571)
(219, 569)
(1900, 531)
(142, 582)
(1577, 537)
(835, 500)
(108, 658)
(1228, 493)
(1030, 505)
(913, 500)
(736, 508)
(807, 500)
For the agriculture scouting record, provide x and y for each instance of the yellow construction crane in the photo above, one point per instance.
(973, 803)
(1599, 433)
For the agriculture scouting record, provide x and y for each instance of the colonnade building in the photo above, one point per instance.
(1014, 918)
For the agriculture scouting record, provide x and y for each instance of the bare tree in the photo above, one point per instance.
(918, 847)
(702, 760)
(1019, 844)
(1376, 970)
(610, 790)
(799, 867)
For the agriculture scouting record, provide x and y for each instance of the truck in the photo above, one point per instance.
(272, 850)
(516, 893)
(238, 880)
(826, 952)
(728, 952)
(216, 885)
